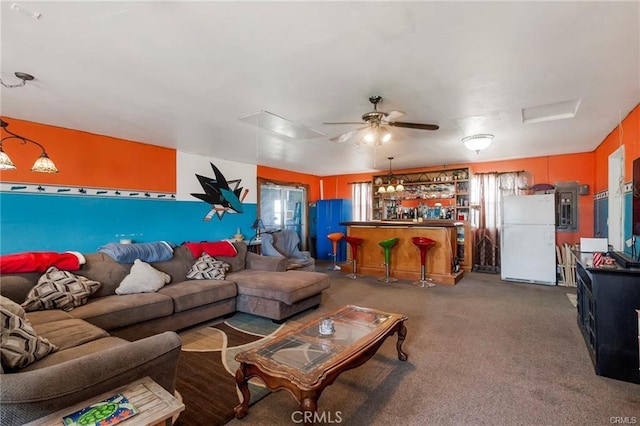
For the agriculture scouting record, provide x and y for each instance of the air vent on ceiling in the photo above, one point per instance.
(550, 112)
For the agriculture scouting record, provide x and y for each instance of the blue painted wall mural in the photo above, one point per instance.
(47, 222)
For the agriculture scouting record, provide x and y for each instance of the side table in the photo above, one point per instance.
(155, 405)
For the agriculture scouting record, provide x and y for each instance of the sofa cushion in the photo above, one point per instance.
(112, 312)
(20, 344)
(94, 346)
(102, 268)
(58, 289)
(191, 294)
(68, 333)
(236, 263)
(41, 317)
(12, 307)
(208, 268)
(288, 287)
(177, 267)
(143, 278)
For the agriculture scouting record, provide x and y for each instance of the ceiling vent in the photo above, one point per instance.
(550, 112)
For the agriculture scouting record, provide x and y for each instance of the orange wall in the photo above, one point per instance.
(630, 138)
(550, 169)
(85, 159)
(293, 177)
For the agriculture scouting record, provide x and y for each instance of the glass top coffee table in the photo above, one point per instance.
(305, 362)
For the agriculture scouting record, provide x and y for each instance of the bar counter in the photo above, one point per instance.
(405, 256)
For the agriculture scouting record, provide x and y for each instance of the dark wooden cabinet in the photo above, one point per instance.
(607, 302)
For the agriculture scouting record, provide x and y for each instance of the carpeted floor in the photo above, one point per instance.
(483, 352)
(206, 367)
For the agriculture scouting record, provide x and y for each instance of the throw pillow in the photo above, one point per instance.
(208, 268)
(58, 289)
(143, 278)
(11, 306)
(20, 345)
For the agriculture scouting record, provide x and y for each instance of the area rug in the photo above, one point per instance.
(206, 370)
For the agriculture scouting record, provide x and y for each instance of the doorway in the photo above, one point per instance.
(283, 205)
(616, 199)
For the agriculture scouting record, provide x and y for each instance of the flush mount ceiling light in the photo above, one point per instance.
(42, 165)
(477, 142)
(390, 189)
(22, 76)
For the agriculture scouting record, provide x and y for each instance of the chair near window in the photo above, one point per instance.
(285, 243)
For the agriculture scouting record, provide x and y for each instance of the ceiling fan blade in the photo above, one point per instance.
(344, 122)
(344, 137)
(414, 125)
(393, 115)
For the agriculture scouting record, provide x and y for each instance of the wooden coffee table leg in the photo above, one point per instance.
(243, 384)
(402, 333)
(309, 404)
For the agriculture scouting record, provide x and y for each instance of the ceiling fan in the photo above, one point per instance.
(376, 131)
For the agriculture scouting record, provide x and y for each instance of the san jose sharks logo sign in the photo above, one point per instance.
(224, 196)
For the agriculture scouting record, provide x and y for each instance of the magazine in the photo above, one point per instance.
(110, 411)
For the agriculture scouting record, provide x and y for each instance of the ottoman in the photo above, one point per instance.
(278, 295)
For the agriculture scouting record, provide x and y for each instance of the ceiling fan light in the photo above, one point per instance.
(400, 187)
(386, 137)
(477, 142)
(390, 189)
(369, 137)
(382, 190)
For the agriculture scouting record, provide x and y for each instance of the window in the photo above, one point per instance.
(283, 205)
(361, 201)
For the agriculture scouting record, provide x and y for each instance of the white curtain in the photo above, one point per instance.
(361, 201)
(487, 190)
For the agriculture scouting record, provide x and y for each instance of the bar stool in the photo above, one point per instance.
(335, 237)
(386, 246)
(354, 242)
(423, 243)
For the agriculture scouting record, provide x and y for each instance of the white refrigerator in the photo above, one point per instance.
(528, 239)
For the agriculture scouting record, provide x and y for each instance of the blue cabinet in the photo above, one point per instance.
(329, 214)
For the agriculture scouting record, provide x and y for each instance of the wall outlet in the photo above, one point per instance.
(629, 242)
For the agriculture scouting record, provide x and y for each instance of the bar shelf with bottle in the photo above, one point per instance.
(429, 195)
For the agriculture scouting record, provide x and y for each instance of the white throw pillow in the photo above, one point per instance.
(143, 278)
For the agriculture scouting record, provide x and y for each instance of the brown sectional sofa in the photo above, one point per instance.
(115, 339)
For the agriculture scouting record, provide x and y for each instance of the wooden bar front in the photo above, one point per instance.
(405, 256)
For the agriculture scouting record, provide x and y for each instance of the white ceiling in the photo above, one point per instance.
(180, 74)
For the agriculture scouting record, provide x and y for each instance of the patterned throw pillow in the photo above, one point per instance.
(58, 289)
(208, 268)
(19, 343)
(11, 306)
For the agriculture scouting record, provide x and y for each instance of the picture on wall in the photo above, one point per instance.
(224, 196)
